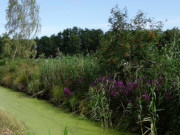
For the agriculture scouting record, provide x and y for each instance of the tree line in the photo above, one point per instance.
(73, 41)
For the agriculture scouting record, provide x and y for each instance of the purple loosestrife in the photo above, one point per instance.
(103, 79)
(114, 93)
(146, 97)
(67, 92)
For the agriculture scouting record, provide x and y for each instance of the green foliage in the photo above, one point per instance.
(74, 101)
(33, 85)
(140, 89)
(131, 43)
(2, 62)
(22, 23)
(85, 106)
(58, 94)
(70, 41)
(69, 72)
(7, 80)
(22, 18)
(101, 111)
(65, 130)
(21, 81)
(17, 48)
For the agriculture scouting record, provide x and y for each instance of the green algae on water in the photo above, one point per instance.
(42, 118)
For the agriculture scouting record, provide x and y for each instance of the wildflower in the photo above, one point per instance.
(146, 97)
(153, 82)
(148, 84)
(98, 79)
(103, 79)
(92, 84)
(67, 92)
(114, 93)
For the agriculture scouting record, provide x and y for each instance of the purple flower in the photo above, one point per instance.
(148, 84)
(114, 93)
(126, 92)
(67, 92)
(81, 79)
(92, 84)
(147, 97)
(98, 79)
(153, 82)
(103, 79)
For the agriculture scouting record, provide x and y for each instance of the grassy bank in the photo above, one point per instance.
(10, 126)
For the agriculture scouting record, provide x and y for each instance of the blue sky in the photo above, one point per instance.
(57, 15)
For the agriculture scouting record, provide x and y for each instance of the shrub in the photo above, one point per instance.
(7, 80)
(21, 81)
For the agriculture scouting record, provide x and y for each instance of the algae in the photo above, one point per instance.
(42, 118)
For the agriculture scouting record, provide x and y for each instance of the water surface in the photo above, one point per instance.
(42, 118)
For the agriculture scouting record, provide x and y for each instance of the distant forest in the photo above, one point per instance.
(75, 40)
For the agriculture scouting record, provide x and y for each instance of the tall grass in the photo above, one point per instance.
(74, 73)
(76, 84)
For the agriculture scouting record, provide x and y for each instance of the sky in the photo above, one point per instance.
(57, 15)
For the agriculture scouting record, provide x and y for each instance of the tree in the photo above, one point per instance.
(0, 45)
(23, 23)
(131, 43)
(43, 46)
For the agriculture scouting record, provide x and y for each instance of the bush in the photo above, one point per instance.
(7, 80)
(21, 81)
